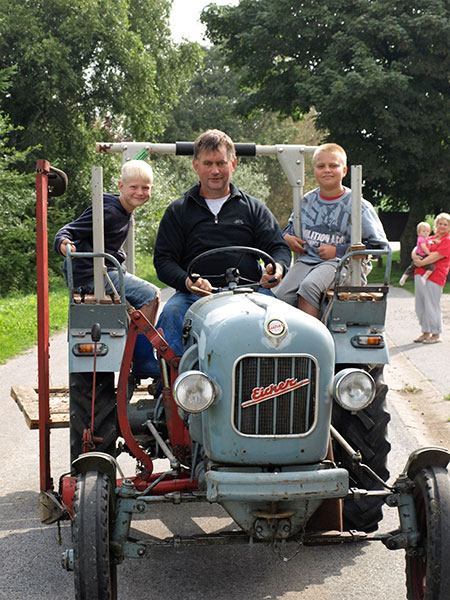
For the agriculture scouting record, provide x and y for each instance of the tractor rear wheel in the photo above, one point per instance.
(105, 416)
(366, 431)
(427, 572)
(94, 570)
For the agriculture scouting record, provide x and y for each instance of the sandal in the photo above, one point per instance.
(432, 340)
(422, 338)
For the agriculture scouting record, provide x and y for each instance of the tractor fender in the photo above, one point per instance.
(431, 456)
(96, 461)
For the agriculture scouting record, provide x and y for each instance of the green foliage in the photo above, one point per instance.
(376, 73)
(210, 100)
(17, 229)
(87, 71)
(72, 74)
(18, 321)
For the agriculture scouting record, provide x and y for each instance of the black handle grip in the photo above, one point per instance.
(96, 332)
(187, 149)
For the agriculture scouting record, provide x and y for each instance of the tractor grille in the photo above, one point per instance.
(274, 395)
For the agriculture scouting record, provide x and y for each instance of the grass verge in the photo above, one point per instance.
(18, 320)
(18, 314)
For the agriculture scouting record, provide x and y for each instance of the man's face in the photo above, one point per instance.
(134, 193)
(329, 170)
(214, 169)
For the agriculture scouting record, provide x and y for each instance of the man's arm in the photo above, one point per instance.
(269, 238)
(169, 250)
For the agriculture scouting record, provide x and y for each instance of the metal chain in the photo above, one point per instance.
(276, 545)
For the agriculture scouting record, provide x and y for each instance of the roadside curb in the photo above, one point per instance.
(423, 409)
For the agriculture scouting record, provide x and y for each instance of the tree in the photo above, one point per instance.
(17, 207)
(376, 72)
(87, 69)
(210, 100)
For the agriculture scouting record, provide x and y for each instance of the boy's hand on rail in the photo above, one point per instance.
(63, 245)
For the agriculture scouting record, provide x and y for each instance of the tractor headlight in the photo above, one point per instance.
(194, 391)
(353, 389)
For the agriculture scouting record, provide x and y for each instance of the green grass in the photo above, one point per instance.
(18, 315)
(144, 268)
(18, 320)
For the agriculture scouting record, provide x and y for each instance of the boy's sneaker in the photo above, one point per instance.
(403, 279)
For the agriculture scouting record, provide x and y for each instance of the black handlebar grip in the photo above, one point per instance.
(96, 332)
(187, 149)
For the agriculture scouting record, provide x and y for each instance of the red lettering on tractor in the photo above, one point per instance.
(273, 390)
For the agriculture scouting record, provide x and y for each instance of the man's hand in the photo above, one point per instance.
(64, 243)
(326, 252)
(269, 274)
(199, 287)
(295, 244)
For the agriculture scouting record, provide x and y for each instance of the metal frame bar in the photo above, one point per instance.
(291, 158)
(42, 171)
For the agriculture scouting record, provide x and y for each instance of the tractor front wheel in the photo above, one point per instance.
(94, 569)
(427, 572)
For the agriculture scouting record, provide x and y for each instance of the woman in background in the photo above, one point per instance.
(428, 296)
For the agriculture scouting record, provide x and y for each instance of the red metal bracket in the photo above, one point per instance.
(42, 171)
(178, 433)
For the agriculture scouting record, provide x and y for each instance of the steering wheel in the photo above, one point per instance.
(232, 274)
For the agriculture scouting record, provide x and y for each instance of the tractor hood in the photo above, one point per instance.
(273, 366)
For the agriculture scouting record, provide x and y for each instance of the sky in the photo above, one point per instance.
(184, 20)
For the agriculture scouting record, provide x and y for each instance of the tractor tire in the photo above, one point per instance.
(95, 572)
(366, 431)
(105, 417)
(427, 573)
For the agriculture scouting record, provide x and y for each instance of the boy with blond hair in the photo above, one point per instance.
(326, 232)
(135, 186)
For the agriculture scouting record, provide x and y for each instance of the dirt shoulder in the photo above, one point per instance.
(421, 405)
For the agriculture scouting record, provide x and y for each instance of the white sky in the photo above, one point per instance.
(184, 19)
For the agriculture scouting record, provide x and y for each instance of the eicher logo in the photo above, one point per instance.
(273, 390)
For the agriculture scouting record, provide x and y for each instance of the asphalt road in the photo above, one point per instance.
(30, 552)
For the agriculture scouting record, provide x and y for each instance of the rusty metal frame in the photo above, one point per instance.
(42, 171)
(178, 433)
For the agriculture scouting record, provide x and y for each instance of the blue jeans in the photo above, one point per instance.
(171, 318)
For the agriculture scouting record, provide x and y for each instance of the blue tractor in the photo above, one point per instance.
(277, 416)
